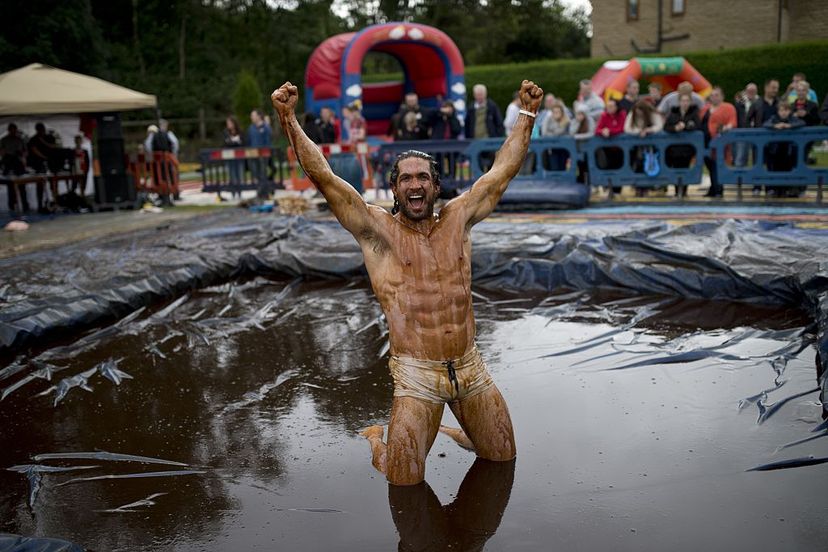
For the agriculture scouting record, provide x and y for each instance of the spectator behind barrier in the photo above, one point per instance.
(512, 111)
(718, 116)
(444, 124)
(630, 96)
(483, 119)
(164, 129)
(765, 108)
(682, 118)
(582, 127)
(233, 138)
(803, 107)
(611, 122)
(791, 92)
(671, 100)
(644, 120)
(587, 98)
(654, 97)
(259, 135)
(781, 156)
(328, 126)
(311, 128)
(557, 123)
(744, 101)
(411, 129)
(546, 110)
(411, 104)
(355, 122)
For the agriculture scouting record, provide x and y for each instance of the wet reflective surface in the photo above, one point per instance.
(227, 420)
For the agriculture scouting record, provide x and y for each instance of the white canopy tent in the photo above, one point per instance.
(41, 93)
(40, 89)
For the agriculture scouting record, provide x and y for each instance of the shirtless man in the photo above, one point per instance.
(419, 264)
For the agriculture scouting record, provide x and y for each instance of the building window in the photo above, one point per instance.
(632, 10)
(678, 7)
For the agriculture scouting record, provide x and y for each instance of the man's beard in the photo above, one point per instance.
(426, 212)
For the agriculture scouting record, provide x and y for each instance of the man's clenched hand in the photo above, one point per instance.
(284, 99)
(530, 96)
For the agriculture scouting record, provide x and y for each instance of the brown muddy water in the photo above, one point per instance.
(228, 420)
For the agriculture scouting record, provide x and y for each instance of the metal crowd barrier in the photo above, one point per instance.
(789, 165)
(156, 172)
(548, 176)
(618, 161)
(555, 167)
(231, 169)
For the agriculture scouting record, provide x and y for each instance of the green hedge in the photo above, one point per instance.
(731, 69)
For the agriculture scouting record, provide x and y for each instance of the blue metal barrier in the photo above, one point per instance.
(225, 169)
(601, 174)
(782, 169)
(548, 175)
(450, 155)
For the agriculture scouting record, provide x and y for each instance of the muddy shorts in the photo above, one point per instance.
(440, 381)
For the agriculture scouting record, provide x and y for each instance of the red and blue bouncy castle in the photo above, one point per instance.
(431, 64)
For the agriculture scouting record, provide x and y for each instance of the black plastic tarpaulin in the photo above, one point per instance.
(15, 543)
(55, 294)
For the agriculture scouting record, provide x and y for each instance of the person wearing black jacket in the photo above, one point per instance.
(781, 156)
(326, 124)
(765, 108)
(444, 123)
(804, 108)
(486, 112)
(445, 126)
(682, 118)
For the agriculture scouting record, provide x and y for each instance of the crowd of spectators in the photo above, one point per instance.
(680, 110)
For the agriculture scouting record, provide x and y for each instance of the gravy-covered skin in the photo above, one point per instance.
(420, 269)
(423, 283)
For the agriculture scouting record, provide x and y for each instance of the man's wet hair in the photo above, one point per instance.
(395, 171)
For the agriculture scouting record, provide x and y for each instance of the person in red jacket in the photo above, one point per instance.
(611, 123)
(718, 116)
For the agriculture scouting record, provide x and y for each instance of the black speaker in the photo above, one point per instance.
(109, 126)
(111, 156)
(115, 189)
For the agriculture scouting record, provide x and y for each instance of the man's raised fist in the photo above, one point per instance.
(530, 96)
(284, 98)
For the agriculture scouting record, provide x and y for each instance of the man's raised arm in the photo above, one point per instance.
(345, 202)
(481, 200)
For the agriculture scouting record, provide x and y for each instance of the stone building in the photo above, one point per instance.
(624, 28)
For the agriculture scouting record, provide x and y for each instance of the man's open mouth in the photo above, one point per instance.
(416, 201)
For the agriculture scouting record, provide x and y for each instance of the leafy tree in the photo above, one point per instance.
(247, 96)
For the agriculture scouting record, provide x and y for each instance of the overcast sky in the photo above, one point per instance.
(579, 4)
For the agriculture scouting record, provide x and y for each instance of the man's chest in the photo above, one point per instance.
(412, 258)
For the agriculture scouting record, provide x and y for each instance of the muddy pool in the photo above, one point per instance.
(228, 419)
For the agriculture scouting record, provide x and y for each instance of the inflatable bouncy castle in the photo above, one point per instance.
(431, 64)
(611, 79)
